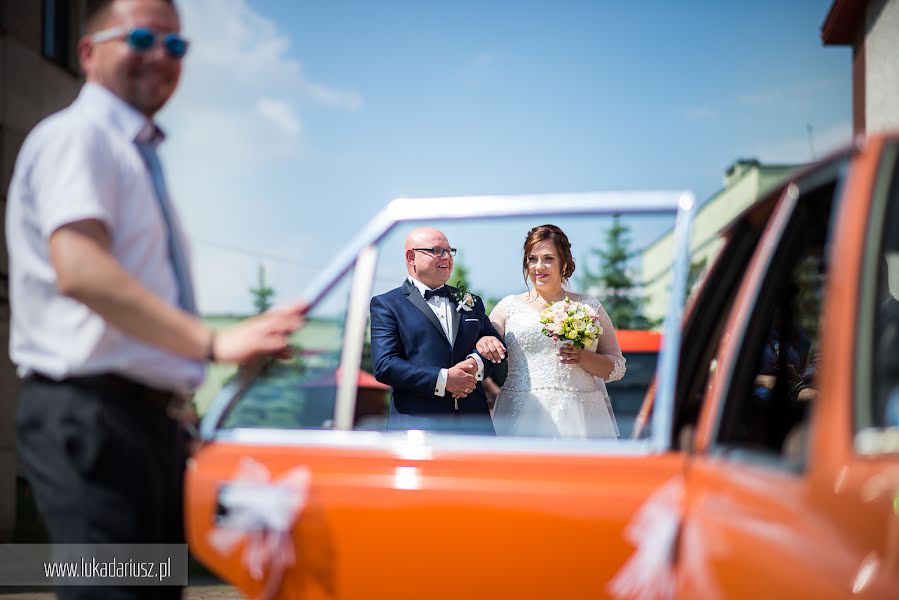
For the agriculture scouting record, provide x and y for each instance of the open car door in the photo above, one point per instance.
(298, 492)
(791, 485)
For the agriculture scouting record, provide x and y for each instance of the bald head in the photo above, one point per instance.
(423, 265)
(425, 237)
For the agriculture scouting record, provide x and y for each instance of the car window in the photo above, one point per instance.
(298, 393)
(877, 410)
(716, 295)
(628, 393)
(772, 390)
(310, 391)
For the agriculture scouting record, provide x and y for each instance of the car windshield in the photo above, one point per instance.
(622, 270)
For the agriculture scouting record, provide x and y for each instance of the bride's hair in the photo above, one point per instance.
(559, 240)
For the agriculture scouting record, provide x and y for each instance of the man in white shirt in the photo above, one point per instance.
(423, 337)
(105, 331)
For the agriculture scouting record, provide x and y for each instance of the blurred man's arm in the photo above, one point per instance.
(87, 272)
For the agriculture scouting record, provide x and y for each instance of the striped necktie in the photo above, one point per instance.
(176, 253)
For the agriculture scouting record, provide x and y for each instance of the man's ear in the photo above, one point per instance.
(410, 257)
(86, 55)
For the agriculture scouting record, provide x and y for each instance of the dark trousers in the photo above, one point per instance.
(106, 466)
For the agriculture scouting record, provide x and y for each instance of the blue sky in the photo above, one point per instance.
(297, 121)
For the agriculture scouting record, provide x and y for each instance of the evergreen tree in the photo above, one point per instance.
(262, 294)
(613, 283)
(460, 279)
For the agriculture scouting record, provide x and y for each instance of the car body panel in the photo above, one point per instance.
(453, 524)
(819, 531)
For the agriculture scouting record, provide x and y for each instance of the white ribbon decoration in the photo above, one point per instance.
(261, 511)
(648, 573)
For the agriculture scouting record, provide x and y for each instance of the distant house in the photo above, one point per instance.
(871, 27)
(744, 181)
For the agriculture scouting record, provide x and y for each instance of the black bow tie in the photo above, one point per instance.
(441, 291)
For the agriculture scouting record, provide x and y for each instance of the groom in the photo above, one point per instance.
(423, 336)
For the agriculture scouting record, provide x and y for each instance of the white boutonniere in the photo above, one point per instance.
(464, 300)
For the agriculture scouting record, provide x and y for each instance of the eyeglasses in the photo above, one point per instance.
(142, 39)
(437, 252)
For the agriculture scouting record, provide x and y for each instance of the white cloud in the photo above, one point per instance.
(280, 113)
(235, 137)
(797, 149)
(350, 101)
(227, 36)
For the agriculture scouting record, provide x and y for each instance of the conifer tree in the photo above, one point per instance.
(263, 293)
(613, 283)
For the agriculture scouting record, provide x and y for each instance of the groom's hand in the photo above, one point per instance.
(460, 379)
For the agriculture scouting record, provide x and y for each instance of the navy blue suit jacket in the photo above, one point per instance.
(408, 349)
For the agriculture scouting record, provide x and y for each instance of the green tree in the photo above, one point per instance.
(618, 290)
(460, 279)
(262, 293)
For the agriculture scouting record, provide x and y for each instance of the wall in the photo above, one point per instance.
(882, 65)
(31, 87)
(754, 181)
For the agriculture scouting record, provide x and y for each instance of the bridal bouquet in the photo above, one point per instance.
(571, 322)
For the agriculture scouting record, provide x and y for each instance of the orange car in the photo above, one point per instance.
(768, 467)
(641, 350)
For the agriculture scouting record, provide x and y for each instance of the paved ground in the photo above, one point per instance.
(195, 592)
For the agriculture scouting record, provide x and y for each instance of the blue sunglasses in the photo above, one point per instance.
(142, 39)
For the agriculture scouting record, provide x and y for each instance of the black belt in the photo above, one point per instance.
(118, 384)
(176, 405)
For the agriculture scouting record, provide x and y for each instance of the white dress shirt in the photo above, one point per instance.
(443, 309)
(82, 163)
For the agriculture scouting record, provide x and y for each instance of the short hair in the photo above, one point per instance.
(559, 240)
(96, 12)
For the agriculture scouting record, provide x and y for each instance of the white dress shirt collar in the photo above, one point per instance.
(118, 114)
(420, 286)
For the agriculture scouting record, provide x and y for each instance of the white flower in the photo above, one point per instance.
(572, 321)
(466, 302)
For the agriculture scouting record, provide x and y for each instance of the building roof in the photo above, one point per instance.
(840, 28)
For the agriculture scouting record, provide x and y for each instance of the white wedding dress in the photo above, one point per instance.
(543, 397)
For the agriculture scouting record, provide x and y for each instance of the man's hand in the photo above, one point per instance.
(491, 348)
(87, 271)
(266, 334)
(460, 379)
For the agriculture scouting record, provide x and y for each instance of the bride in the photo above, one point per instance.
(552, 389)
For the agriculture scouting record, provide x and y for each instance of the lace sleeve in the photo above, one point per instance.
(498, 316)
(618, 370)
(607, 345)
